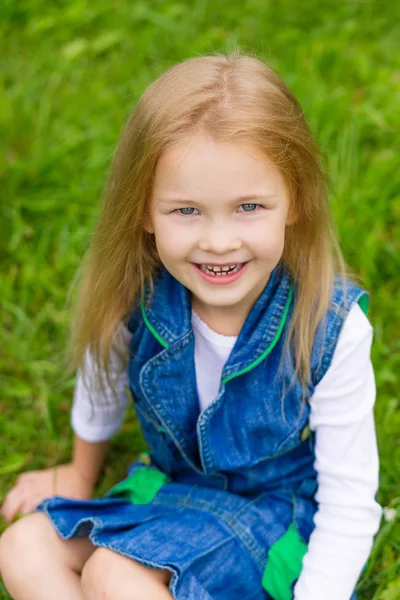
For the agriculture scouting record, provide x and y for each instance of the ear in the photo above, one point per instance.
(291, 218)
(147, 225)
(292, 215)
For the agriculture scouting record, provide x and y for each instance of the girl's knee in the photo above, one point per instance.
(32, 543)
(19, 544)
(107, 574)
(97, 574)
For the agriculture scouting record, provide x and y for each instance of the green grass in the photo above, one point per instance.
(70, 73)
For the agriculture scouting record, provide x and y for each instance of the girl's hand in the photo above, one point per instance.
(34, 486)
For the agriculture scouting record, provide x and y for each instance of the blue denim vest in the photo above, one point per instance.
(254, 437)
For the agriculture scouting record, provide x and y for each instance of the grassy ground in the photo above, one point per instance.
(70, 72)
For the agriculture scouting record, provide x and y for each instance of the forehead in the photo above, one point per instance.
(200, 166)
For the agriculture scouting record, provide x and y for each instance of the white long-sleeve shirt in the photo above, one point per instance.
(346, 458)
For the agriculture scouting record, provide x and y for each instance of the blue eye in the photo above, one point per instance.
(248, 207)
(187, 211)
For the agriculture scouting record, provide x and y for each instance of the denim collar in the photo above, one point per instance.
(168, 316)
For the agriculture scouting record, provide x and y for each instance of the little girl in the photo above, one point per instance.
(214, 299)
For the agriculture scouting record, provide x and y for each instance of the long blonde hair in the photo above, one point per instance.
(235, 98)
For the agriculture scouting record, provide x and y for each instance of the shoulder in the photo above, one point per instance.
(354, 341)
(356, 329)
(345, 294)
(345, 320)
(346, 392)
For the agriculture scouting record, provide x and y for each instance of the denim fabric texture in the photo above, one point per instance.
(241, 470)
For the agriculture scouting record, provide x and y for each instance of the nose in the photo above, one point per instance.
(219, 238)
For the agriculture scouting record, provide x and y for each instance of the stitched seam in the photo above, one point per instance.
(238, 513)
(167, 333)
(151, 328)
(250, 544)
(160, 414)
(265, 353)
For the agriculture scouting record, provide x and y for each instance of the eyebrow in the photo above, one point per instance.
(238, 200)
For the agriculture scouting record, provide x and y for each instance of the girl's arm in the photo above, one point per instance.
(76, 479)
(347, 466)
(98, 412)
(88, 458)
(96, 416)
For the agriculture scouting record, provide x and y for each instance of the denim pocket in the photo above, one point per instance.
(284, 565)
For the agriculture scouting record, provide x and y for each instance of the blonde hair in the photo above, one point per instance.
(235, 98)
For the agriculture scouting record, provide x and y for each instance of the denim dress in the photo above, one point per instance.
(223, 499)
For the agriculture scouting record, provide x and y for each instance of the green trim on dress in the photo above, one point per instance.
(284, 565)
(141, 487)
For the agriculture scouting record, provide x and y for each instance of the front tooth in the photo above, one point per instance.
(216, 270)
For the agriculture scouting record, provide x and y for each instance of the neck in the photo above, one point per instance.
(228, 320)
(221, 320)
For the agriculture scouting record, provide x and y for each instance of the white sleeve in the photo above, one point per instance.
(97, 414)
(347, 468)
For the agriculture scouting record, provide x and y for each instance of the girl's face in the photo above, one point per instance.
(218, 208)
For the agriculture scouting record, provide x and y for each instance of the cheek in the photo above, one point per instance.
(173, 243)
(268, 240)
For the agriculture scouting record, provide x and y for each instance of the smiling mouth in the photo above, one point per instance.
(217, 271)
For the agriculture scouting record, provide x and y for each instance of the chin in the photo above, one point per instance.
(220, 302)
